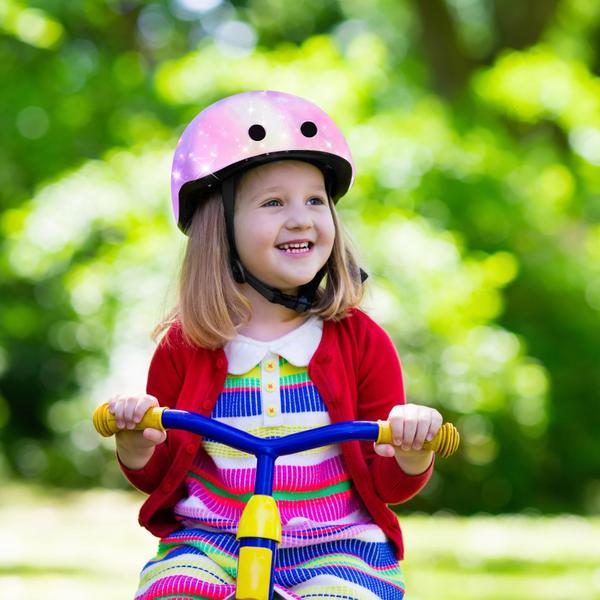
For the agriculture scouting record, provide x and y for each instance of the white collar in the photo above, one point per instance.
(297, 347)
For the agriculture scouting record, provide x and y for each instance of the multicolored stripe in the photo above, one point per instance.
(345, 569)
(330, 548)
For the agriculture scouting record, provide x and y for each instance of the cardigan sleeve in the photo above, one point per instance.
(380, 387)
(165, 380)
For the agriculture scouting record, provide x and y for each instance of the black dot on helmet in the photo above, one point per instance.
(308, 129)
(257, 132)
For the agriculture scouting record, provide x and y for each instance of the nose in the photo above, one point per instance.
(298, 217)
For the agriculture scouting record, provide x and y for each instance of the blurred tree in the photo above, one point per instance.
(476, 131)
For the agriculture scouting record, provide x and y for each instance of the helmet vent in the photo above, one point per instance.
(257, 132)
(308, 129)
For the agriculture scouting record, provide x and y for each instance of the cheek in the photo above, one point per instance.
(252, 236)
(328, 232)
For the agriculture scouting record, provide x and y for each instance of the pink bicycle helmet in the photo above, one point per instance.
(249, 129)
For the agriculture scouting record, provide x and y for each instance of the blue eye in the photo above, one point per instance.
(316, 200)
(272, 202)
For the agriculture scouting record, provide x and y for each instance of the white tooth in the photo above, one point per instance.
(295, 246)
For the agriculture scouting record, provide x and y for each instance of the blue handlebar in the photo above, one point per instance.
(296, 442)
(267, 450)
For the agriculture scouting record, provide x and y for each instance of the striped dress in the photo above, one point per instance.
(330, 548)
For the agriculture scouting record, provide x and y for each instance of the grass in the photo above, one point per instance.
(68, 545)
(498, 558)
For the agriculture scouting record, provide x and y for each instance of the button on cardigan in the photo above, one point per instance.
(357, 372)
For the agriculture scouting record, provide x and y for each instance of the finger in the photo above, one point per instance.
(396, 421)
(118, 412)
(113, 403)
(409, 428)
(423, 427)
(152, 400)
(128, 411)
(154, 435)
(434, 427)
(145, 403)
(384, 450)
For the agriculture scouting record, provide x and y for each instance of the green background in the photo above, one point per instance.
(475, 126)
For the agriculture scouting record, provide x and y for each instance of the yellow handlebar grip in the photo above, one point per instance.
(445, 443)
(106, 424)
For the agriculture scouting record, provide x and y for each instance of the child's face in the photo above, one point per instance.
(281, 203)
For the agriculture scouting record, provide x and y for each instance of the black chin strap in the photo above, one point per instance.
(306, 295)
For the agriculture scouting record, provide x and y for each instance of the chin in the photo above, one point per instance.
(293, 286)
(287, 280)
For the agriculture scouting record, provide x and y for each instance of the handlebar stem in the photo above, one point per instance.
(265, 472)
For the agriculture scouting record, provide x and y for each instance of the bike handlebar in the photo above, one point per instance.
(445, 442)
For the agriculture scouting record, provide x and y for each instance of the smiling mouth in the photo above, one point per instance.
(296, 248)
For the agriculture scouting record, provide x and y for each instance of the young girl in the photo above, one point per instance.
(267, 336)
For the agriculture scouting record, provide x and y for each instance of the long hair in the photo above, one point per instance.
(210, 305)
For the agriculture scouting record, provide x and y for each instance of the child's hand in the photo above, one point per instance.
(134, 447)
(411, 424)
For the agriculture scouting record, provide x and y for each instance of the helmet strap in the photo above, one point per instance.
(306, 294)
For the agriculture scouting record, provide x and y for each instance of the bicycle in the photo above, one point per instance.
(259, 530)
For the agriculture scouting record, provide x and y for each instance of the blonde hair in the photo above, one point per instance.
(210, 305)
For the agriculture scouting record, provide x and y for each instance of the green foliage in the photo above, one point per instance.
(475, 211)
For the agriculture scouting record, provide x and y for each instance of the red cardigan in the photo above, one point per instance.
(357, 372)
